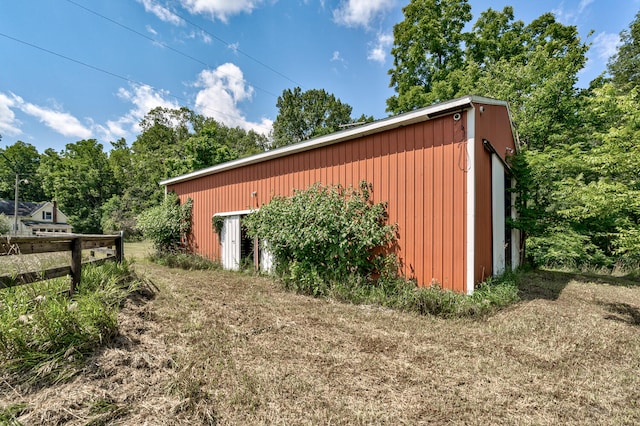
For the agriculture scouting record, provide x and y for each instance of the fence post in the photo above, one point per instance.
(76, 264)
(120, 248)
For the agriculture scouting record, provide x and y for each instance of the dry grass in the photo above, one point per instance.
(226, 348)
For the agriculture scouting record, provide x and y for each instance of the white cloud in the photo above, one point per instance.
(61, 122)
(583, 5)
(336, 57)
(571, 16)
(220, 9)
(161, 12)
(354, 13)
(144, 98)
(8, 121)
(234, 47)
(605, 45)
(151, 30)
(379, 49)
(221, 90)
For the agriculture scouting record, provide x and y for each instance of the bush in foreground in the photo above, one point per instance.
(44, 333)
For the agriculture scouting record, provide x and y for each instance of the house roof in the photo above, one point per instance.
(25, 208)
(400, 120)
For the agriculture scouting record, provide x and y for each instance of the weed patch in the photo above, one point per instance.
(44, 334)
(397, 293)
(186, 261)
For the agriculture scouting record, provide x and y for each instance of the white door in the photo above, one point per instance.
(498, 214)
(230, 239)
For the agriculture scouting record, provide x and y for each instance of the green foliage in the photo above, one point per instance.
(5, 224)
(81, 180)
(304, 115)
(186, 261)
(624, 67)
(427, 50)
(116, 217)
(44, 334)
(395, 292)
(23, 158)
(167, 225)
(322, 234)
(217, 223)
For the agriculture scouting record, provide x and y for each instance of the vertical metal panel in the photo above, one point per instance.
(438, 200)
(428, 195)
(401, 201)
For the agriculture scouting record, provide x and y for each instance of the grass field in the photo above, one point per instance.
(231, 348)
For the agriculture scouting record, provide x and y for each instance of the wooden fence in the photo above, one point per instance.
(73, 243)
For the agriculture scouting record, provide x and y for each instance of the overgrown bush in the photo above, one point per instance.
(323, 234)
(44, 333)
(5, 224)
(167, 225)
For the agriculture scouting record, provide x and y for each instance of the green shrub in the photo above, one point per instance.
(167, 225)
(323, 234)
(44, 333)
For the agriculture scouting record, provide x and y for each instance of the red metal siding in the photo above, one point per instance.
(419, 169)
(493, 124)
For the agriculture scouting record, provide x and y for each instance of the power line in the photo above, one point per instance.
(163, 44)
(102, 70)
(229, 45)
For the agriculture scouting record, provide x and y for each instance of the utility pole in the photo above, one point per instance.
(15, 206)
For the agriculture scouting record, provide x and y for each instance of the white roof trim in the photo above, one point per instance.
(389, 123)
(235, 213)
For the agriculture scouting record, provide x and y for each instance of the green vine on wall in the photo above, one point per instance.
(217, 222)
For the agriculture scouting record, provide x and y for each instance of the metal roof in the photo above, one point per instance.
(400, 120)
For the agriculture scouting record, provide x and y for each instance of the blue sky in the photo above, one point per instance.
(78, 69)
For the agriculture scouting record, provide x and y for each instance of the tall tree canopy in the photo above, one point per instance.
(427, 49)
(624, 67)
(24, 159)
(81, 180)
(304, 115)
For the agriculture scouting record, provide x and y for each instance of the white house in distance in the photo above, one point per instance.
(35, 217)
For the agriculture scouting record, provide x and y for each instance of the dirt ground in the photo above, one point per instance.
(228, 348)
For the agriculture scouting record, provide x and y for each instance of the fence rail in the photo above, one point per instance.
(48, 243)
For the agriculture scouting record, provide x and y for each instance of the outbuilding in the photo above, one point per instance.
(443, 171)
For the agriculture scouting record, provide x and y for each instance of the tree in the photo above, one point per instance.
(304, 115)
(23, 158)
(168, 224)
(427, 49)
(624, 66)
(534, 66)
(81, 180)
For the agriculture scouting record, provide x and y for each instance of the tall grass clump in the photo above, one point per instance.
(45, 334)
(393, 291)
